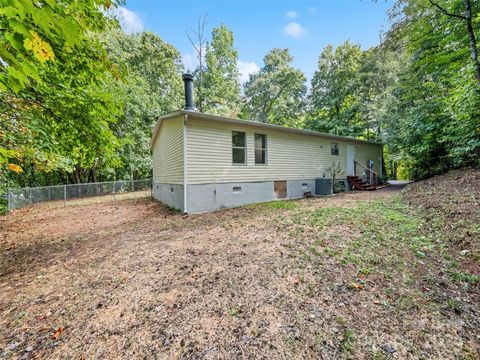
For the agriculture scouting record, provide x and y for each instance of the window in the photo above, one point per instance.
(260, 149)
(237, 189)
(334, 148)
(239, 148)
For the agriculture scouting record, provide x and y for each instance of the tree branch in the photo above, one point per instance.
(446, 12)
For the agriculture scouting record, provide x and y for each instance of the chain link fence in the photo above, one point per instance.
(109, 190)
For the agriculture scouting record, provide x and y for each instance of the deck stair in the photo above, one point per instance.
(358, 184)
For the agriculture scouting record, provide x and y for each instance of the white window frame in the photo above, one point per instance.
(244, 148)
(262, 149)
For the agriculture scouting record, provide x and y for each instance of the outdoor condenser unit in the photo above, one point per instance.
(323, 186)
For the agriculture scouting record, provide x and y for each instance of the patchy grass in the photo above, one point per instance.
(276, 205)
(377, 275)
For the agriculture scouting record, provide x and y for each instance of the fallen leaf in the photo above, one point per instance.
(57, 333)
(358, 286)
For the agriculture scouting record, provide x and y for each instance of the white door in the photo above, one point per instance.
(350, 159)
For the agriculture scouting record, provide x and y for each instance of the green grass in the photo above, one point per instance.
(277, 205)
(383, 237)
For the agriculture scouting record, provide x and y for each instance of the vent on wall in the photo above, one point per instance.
(237, 189)
(304, 185)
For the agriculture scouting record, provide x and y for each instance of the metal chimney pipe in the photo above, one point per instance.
(188, 82)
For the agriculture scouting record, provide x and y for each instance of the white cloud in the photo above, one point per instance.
(245, 68)
(190, 62)
(292, 14)
(190, 59)
(129, 20)
(295, 30)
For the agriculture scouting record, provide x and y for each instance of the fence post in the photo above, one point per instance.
(9, 201)
(65, 195)
(113, 190)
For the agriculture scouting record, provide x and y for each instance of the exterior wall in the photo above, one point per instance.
(296, 188)
(290, 156)
(366, 152)
(209, 197)
(211, 176)
(169, 194)
(168, 152)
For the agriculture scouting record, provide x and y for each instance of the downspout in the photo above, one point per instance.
(185, 118)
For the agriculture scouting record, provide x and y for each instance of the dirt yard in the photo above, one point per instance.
(376, 275)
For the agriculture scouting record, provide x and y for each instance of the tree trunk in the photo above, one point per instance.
(472, 39)
(470, 31)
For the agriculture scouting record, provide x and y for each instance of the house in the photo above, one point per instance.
(204, 162)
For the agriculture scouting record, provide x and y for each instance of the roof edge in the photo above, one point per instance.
(218, 118)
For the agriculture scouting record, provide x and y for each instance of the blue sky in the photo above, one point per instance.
(305, 27)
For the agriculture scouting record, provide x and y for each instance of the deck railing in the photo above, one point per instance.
(372, 176)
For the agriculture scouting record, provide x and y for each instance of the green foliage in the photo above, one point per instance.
(220, 90)
(36, 33)
(335, 169)
(276, 94)
(78, 99)
(436, 104)
(153, 87)
(334, 95)
(55, 113)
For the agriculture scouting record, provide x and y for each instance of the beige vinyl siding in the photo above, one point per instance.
(290, 156)
(168, 152)
(365, 152)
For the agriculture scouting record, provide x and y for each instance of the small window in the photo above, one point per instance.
(334, 148)
(239, 147)
(260, 149)
(237, 189)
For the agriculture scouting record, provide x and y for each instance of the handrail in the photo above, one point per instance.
(375, 175)
(366, 168)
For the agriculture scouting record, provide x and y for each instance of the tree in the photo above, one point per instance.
(276, 94)
(467, 17)
(49, 55)
(437, 93)
(198, 40)
(377, 79)
(34, 34)
(334, 95)
(153, 87)
(221, 87)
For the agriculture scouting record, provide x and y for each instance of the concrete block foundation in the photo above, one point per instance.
(169, 194)
(210, 197)
(203, 198)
